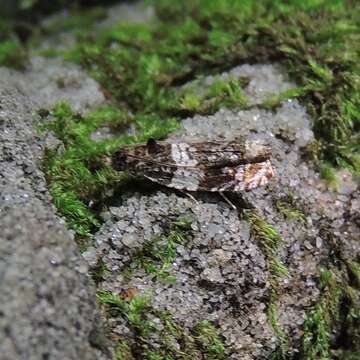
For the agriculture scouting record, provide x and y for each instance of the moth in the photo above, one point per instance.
(215, 166)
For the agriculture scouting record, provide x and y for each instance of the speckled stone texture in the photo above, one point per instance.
(47, 81)
(221, 273)
(47, 304)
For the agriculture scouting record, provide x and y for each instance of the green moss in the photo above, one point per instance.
(289, 211)
(78, 216)
(134, 310)
(206, 335)
(76, 20)
(191, 102)
(221, 93)
(99, 271)
(158, 254)
(317, 327)
(270, 243)
(282, 350)
(12, 53)
(174, 342)
(274, 100)
(123, 351)
(79, 174)
(316, 339)
(354, 272)
(332, 325)
(142, 64)
(327, 173)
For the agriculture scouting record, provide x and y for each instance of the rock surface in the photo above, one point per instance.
(221, 271)
(47, 303)
(48, 81)
(48, 307)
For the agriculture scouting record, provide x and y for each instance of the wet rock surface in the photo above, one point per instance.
(221, 271)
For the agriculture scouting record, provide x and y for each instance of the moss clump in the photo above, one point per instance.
(274, 100)
(158, 254)
(142, 66)
(220, 93)
(172, 342)
(79, 176)
(270, 242)
(206, 336)
(317, 41)
(12, 53)
(289, 211)
(282, 351)
(317, 327)
(77, 20)
(327, 173)
(331, 328)
(123, 351)
(99, 271)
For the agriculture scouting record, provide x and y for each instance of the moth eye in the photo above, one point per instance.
(152, 146)
(119, 160)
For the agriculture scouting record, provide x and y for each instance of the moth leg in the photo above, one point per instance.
(227, 200)
(190, 196)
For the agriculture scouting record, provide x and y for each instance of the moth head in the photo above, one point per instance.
(152, 146)
(119, 160)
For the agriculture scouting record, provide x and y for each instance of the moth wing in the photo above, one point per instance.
(244, 177)
(251, 176)
(216, 154)
(193, 179)
(182, 178)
